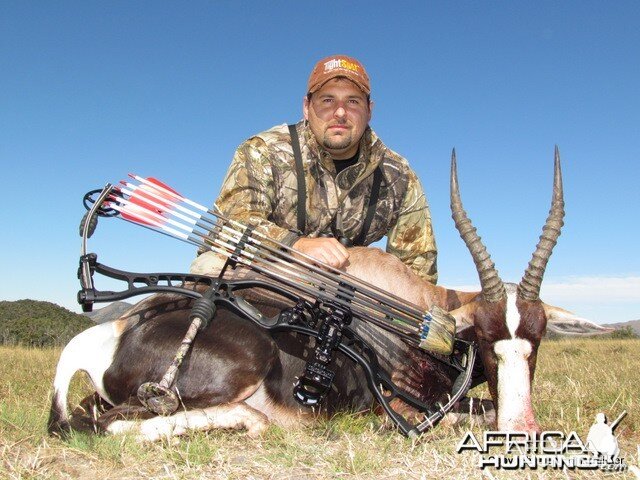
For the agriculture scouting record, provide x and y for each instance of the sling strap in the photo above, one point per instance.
(302, 188)
(302, 192)
(371, 209)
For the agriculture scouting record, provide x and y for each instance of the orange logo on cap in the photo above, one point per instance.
(341, 63)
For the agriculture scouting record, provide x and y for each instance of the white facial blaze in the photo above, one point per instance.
(514, 383)
(514, 392)
(513, 316)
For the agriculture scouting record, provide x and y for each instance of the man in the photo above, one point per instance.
(329, 182)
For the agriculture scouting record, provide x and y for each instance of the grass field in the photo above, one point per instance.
(575, 380)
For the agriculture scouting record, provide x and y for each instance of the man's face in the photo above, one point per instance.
(338, 115)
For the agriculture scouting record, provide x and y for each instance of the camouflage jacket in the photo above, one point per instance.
(261, 189)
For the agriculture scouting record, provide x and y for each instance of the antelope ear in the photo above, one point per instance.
(464, 315)
(564, 322)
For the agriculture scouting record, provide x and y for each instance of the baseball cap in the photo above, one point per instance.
(338, 66)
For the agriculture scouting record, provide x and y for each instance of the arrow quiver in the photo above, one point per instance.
(323, 302)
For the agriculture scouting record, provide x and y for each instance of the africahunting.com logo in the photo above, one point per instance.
(549, 449)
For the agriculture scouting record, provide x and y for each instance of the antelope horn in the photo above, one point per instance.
(492, 287)
(529, 286)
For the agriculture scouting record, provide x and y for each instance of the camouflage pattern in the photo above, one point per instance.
(260, 189)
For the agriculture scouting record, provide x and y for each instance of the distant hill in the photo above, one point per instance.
(38, 324)
(110, 312)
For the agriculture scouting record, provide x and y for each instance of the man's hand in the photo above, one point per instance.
(327, 250)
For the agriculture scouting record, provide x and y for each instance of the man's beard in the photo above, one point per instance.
(336, 143)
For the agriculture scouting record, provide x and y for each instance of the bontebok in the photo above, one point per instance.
(269, 334)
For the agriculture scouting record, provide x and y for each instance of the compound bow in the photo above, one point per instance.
(325, 300)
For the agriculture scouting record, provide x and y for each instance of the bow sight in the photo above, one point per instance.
(324, 301)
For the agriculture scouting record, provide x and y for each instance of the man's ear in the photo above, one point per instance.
(305, 107)
(370, 110)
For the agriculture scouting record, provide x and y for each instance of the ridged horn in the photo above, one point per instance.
(529, 286)
(492, 287)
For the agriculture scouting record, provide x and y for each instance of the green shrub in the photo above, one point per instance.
(624, 332)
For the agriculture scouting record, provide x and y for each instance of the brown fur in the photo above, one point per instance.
(398, 279)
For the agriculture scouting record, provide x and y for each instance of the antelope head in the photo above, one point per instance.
(509, 320)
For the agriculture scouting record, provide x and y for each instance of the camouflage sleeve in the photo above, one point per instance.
(411, 239)
(247, 194)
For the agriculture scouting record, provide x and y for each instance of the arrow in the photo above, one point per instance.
(157, 206)
(307, 260)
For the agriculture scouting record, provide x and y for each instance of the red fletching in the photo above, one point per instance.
(157, 182)
(137, 214)
(146, 199)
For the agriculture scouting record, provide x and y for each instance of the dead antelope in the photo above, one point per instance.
(238, 375)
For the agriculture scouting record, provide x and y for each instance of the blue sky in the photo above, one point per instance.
(90, 91)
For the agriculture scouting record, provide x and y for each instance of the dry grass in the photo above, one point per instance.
(575, 380)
